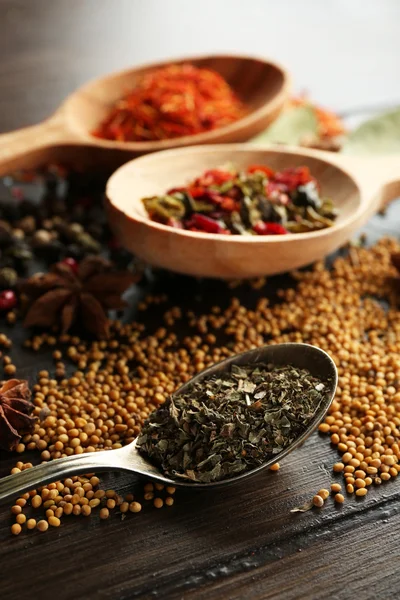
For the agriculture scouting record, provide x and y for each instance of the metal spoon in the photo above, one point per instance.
(128, 458)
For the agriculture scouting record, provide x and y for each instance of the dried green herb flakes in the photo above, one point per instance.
(231, 423)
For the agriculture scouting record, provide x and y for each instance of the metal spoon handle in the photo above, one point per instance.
(14, 485)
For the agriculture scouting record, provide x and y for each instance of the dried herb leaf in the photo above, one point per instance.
(231, 422)
(380, 135)
(290, 127)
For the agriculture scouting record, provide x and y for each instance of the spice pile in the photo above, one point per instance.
(78, 496)
(330, 132)
(172, 102)
(99, 392)
(254, 201)
(232, 422)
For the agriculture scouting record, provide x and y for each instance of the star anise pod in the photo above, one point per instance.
(63, 296)
(15, 410)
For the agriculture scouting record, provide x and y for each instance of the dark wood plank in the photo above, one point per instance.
(239, 543)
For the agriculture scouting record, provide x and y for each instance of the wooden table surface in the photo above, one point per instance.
(243, 542)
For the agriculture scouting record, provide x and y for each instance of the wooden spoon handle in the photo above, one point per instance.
(24, 146)
(377, 176)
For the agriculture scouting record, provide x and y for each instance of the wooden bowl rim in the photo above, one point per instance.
(231, 239)
(199, 138)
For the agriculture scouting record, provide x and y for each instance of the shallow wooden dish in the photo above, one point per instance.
(261, 84)
(358, 186)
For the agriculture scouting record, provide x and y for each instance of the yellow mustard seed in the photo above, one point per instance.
(20, 519)
(31, 524)
(135, 507)
(338, 467)
(104, 513)
(16, 529)
(42, 525)
(275, 467)
(86, 510)
(318, 501)
(324, 493)
(54, 521)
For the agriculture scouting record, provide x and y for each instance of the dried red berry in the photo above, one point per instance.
(8, 300)
(71, 263)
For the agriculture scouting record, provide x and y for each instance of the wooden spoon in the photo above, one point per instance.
(358, 187)
(303, 356)
(261, 84)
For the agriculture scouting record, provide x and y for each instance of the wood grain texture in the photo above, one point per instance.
(240, 544)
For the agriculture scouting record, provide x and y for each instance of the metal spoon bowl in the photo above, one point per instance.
(128, 458)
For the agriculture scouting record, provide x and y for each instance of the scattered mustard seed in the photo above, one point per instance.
(318, 501)
(275, 467)
(135, 507)
(104, 513)
(31, 523)
(42, 525)
(16, 529)
(323, 493)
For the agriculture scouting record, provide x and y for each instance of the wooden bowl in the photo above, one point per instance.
(358, 187)
(261, 84)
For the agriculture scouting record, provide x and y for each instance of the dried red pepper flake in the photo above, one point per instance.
(214, 177)
(203, 223)
(229, 204)
(196, 191)
(255, 200)
(171, 102)
(175, 223)
(263, 228)
(293, 177)
(261, 169)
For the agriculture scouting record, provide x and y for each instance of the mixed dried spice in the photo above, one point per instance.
(330, 132)
(97, 394)
(232, 422)
(252, 201)
(172, 102)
